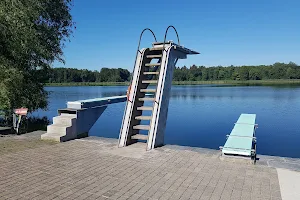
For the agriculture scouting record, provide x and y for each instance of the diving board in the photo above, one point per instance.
(242, 141)
(89, 103)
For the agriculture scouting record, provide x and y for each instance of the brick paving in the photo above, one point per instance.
(96, 169)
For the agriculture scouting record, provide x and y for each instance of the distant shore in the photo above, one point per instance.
(216, 82)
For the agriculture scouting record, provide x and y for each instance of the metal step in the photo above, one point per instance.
(145, 108)
(151, 73)
(152, 64)
(148, 90)
(143, 117)
(142, 127)
(150, 81)
(159, 48)
(146, 99)
(154, 56)
(139, 137)
(166, 42)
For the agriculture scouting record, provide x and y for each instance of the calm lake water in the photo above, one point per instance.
(201, 116)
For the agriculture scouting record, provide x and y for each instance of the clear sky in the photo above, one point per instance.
(226, 32)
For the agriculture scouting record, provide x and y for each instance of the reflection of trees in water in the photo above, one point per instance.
(236, 92)
(193, 96)
(110, 94)
(219, 92)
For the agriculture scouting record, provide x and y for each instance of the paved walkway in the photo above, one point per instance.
(96, 169)
(289, 184)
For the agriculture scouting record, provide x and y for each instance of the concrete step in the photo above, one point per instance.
(154, 56)
(68, 115)
(150, 81)
(64, 120)
(53, 137)
(152, 64)
(151, 73)
(146, 99)
(142, 127)
(139, 137)
(145, 108)
(50, 137)
(148, 90)
(58, 128)
(143, 117)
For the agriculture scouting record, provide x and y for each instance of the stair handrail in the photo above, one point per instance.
(166, 33)
(165, 37)
(164, 71)
(141, 35)
(138, 50)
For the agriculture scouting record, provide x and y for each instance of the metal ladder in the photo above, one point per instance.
(146, 110)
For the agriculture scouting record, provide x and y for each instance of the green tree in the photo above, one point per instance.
(221, 74)
(244, 73)
(291, 73)
(254, 74)
(32, 36)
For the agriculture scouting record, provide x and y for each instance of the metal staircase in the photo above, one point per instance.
(147, 106)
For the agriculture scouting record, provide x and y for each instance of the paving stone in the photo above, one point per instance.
(90, 169)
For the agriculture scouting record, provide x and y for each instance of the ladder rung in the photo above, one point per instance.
(143, 117)
(166, 42)
(154, 56)
(148, 90)
(146, 99)
(151, 73)
(145, 108)
(149, 81)
(152, 64)
(139, 137)
(141, 127)
(156, 48)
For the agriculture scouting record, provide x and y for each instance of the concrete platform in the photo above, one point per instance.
(93, 168)
(289, 182)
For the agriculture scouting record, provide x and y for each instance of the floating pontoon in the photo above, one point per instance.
(242, 141)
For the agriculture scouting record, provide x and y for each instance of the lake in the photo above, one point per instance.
(202, 116)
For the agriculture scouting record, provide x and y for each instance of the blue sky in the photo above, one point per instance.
(227, 32)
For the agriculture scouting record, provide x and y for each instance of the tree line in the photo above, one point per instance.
(193, 73)
(261, 72)
(67, 75)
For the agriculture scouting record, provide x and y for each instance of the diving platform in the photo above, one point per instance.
(78, 118)
(144, 117)
(242, 141)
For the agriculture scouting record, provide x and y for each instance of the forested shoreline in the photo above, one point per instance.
(72, 75)
(238, 73)
(276, 71)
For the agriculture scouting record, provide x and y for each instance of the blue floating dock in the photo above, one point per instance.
(242, 140)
